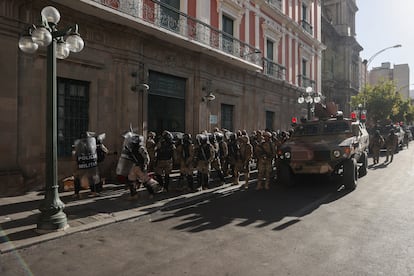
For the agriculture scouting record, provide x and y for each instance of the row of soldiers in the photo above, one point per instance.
(224, 152)
(150, 163)
(377, 142)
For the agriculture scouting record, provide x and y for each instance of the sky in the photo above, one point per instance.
(384, 23)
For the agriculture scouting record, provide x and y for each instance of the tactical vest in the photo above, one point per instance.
(204, 152)
(165, 152)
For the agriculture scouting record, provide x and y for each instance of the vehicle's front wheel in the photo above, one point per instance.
(350, 174)
(362, 171)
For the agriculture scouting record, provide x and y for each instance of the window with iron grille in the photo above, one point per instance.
(227, 116)
(73, 113)
(170, 18)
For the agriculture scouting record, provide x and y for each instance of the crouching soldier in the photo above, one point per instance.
(133, 162)
(86, 163)
(185, 157)
(204, 154)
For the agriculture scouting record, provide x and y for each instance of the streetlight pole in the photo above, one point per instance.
(368, 62)
(52, 217)
(312, 97)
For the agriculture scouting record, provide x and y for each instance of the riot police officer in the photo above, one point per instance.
(86, 163)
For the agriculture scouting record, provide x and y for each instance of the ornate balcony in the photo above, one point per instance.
(273, 69)
(304, 81)
(275, 4)
(169, 19)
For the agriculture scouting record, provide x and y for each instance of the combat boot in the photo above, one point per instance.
(246, 183)
(259, 185)
(190, 182)
(205, 181)
(221, 176)
(132, 189)
(166, 182)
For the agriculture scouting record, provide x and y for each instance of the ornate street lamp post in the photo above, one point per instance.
(59, 45)
(309, 98)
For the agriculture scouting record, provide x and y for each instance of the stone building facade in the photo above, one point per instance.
(341, 62)
(256, 57)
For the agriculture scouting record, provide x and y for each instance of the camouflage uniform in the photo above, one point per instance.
(150, 145)
(185, 157)
(265, 152)
(204, 154)
(233, 152)
(134, 158)
(391, 143)
(376, 143)
(223, 152)
(164, 159)
(242, 163)
(215, 163)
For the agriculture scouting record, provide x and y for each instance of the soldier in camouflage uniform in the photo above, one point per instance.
(391, 143)
(233, 151)
(243, 160)
(185, 157)
(150, 145)
(376, 143)
(164, 159)
(222, 152)
(204, 154)
(265, 152)
(215, 163)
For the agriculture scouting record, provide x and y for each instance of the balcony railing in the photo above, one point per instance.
(163, 16)
(307, 27)
(275, 3)
(273, 69)
(305, 81)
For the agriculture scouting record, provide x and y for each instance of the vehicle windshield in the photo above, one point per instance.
(327, 127)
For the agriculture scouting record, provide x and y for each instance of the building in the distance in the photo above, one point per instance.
(399, 73)
(234, 64)
(341, 61)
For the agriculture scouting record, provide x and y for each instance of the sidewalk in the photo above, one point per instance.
(18, 215)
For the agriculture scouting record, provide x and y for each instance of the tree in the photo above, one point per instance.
(381, 101)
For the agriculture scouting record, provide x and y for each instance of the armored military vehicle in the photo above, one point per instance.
(335, 146)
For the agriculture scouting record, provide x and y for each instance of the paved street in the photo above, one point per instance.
(309, 229)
